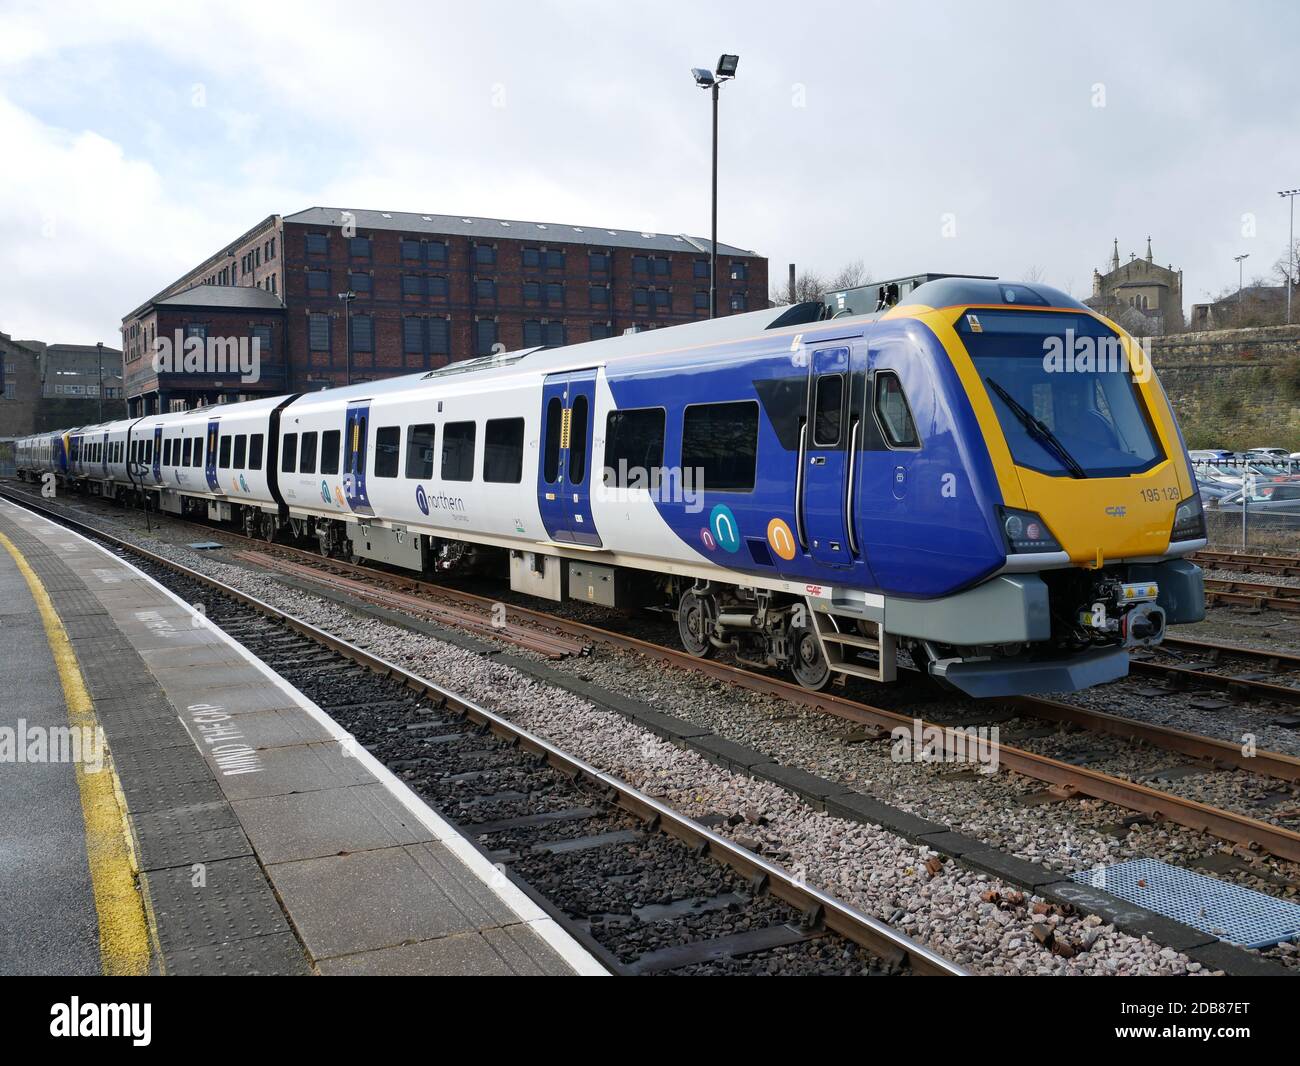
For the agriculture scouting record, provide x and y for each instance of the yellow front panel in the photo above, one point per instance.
(1091, 517)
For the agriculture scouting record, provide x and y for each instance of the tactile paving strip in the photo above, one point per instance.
(1238, 915)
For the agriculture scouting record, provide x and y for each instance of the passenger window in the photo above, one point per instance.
(289, 453)
(329, 451)
(578, 442)
(893, 414)
(167, 452)
(720, 446)
(551, 460)
(255, 452)
(634, 447)
(388, 446)
(186, 450)
(241, 450)
(503, 450)
(198, 451)
(827, 407)
(419, 451)
(307, 456)
(458, 451)
(223, 460)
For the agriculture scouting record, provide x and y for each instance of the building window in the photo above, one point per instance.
(359, 282)
(485, 255)
(599, 295)
(262, 338)
(601, 330)
(359, 247)
(662, 267)
(318, 280)
(485, 336)
(195, 330)
(532, 258)
(554, 294)
(532, 334)
(413, 335)
(641, 297)
(701, 299)
(485, 289)
(363, 333)
(425, 336)
(419, 451)
(318, 332)
(272, 280)
(438, 287)
(503, 451)
(439, 336)
(388, 446)
(318, 243)
(532, 291)
(412, 285)
(555, 336)
(739, 301)
(458, 451)
(436, 251)
(271, 245)
(598, 262)
(739, 272)
(412, 249)
(701, 268)
(663, 299)
(640, 264)
(721, 441)
(554, 259)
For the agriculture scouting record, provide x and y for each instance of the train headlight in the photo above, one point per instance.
(1027, 532)
(1189, 520)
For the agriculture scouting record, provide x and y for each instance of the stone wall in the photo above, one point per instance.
(1235, 388)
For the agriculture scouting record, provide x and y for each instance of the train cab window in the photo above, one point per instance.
(720, 445)
(578, 442)
(307, 454)
(241, 450)
(388, 446)
(893, 413)
(186, 450)
(419, 451)
(634, 447)
(329, 451)
(503, 451)
(828, 409)
(551, 456)
(458, 451)
(255, 452)
(289, 453)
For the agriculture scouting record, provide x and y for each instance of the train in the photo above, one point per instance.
(937, 484)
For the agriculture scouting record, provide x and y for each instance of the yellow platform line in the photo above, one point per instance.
(123, 933)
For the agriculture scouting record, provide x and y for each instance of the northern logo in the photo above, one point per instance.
(421, 499)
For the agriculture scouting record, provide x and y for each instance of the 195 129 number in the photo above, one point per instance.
(1156, 495)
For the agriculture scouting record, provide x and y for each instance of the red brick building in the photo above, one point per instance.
(426, 290)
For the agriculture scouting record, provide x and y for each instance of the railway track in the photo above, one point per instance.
(1063, 778)
(1257, 594)
(1249, 562)
(645, 888)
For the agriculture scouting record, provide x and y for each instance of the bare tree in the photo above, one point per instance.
(810, 285)
(1033, 273)
(1286, 264)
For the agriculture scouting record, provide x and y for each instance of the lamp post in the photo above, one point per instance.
(1290, 194)
(347, 298)
(712, 80)
(1239, 260)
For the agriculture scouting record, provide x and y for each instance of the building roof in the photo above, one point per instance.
(237, 297)
(553, 232)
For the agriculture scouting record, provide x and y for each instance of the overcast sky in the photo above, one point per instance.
(138, 138)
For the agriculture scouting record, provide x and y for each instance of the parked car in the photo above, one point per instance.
(1269, 453)
(1209, 455)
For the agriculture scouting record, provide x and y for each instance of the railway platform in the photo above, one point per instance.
(178, 808)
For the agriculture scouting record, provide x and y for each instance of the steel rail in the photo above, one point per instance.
(1227, 825)
(817, 906)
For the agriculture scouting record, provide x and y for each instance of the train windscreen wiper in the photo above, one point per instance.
(1039, 430)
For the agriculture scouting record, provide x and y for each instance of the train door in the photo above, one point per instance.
(103, 455)
(564, 474)
(354, 456)
(157, 454)
(828, 457)
(210, 455)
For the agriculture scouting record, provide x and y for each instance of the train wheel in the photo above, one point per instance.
(268, 528)
(809, 665)
(692, 625)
